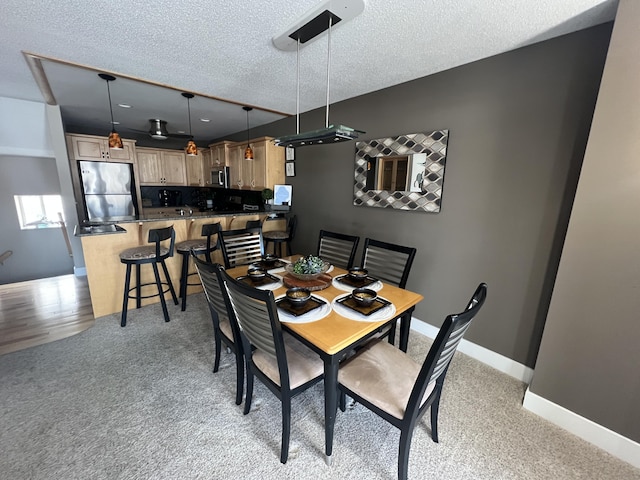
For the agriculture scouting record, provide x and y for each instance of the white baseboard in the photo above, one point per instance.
(608, 440)
(484, 355)
(80, 271)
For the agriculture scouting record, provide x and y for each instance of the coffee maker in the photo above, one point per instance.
(169, 198)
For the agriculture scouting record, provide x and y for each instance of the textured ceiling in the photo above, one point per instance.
(224, 50)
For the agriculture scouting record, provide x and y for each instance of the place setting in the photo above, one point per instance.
(363, 304)
(357, 277)
(258, 277)
(270, 261)
(298, 305)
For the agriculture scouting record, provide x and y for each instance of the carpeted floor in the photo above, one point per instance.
(141, 402)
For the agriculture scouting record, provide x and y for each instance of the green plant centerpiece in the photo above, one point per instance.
(308, 267)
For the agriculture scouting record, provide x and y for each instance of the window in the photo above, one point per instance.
(39, 211)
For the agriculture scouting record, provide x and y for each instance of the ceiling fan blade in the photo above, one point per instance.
(158, 130)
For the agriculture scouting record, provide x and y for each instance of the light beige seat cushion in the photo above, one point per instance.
(188, 245)
(144, 252)
(225, 327)
(304, 364)
(383, 375)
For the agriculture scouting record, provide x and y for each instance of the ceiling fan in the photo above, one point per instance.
(158, 130)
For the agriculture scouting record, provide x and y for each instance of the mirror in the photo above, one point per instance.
(404, 172)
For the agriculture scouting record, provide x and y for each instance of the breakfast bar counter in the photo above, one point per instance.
(105, 272)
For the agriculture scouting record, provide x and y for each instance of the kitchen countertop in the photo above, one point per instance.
(112, 228)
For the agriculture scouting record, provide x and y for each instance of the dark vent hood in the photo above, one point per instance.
(329, 135)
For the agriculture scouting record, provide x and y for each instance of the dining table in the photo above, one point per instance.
(334, 331)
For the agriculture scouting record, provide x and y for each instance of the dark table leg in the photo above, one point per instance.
(405, 325)
(330, 403)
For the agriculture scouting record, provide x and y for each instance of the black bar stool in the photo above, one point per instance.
(200, 246)
(278, 237)
(152, 254)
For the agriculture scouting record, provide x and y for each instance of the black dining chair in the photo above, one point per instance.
(337, 248)
(241, 246)
(390, 263)
(225, 327)
(279, 361)
(395, 387)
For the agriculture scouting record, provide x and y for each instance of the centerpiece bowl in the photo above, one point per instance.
(307, 268)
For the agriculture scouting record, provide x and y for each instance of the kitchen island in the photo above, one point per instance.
(102, 247)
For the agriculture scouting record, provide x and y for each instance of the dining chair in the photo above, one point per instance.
(278, 237)
(400, 390)
(241, 246)
(390, 263)
(225, 328)
(337, 248)
(279, 361)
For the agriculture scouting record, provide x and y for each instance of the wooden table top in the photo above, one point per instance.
(334, 332)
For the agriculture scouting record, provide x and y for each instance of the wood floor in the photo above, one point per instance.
(44, 310)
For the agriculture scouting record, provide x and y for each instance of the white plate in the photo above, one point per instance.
(376, 286)
(383, 314)
(312, 316)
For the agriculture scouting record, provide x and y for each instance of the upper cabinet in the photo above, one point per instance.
(96, 149)
(264, 171)
(194, 164)
(161, 167)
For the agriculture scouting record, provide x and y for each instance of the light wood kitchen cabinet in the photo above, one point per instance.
(161, 167)
(264, 171)
(96, 149)
(195, 167)
(220, 154)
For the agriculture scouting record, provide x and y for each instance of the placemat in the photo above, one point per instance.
(384, 313)
(347, 286)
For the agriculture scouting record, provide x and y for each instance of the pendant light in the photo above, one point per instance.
(322, 19)
(115, 142)
(248, 152)
(192, 150)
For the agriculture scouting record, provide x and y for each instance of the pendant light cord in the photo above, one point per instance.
(189, 112)
(326, 120)
(298, 87)
(110, 106)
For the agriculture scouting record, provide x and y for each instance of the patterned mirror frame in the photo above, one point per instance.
(428, 181)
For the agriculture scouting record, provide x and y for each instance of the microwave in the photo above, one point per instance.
(220, 177)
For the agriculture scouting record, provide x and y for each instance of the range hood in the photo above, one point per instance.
(321, 19)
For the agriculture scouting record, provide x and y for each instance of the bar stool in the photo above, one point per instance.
(278, 237)
(200, 246)
(153, 254)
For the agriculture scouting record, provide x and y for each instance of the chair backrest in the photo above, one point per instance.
(159, 235)
(213, 291)
(241, 246)
(337, 248)
(256, 313)
(437, 362)
(209, 230)
(292, 224)
(388, 262)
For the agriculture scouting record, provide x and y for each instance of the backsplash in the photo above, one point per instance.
(201, 197)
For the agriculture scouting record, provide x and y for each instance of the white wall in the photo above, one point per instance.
(23, 129)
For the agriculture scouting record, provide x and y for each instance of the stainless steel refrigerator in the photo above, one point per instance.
(108, 191)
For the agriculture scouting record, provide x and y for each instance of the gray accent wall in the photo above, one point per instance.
(590, 353)
(518, 126)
